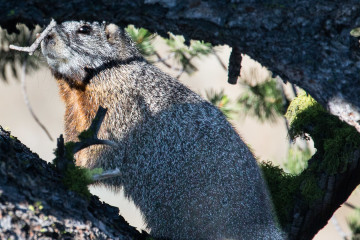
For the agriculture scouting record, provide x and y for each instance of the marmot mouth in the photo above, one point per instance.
(55, 59)
(50, 55)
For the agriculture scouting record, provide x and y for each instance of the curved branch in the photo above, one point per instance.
(93, 141)
(27, 102)
(37, 42)
(308, 219)
(107, 174)
(305, 42)
(44, 207)
(89, 136)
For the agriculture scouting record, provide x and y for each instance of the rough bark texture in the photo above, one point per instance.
(309, 218)
(34, 204)
(304, 42)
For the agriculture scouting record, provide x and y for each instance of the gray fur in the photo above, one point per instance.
(182, 163)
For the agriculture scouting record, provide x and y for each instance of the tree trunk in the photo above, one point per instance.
(307, 43)
(35, 204)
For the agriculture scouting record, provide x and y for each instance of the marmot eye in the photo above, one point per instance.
(84, 29)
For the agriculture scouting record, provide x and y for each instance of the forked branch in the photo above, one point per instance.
(38, 40)
(87, 138)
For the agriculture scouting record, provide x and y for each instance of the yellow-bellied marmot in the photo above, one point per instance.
(181, 162)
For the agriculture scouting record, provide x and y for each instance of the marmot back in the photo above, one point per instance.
(182, 163)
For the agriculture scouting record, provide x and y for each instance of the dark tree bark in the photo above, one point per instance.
(34, 204)
(308, 219)
(307, 43)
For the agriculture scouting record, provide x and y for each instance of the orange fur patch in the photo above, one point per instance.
(80, 108)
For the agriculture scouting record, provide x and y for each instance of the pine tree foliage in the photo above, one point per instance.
(11, 59)
(143, 39)
(182, 53)
(185, 54)
(354, 224)
(263, 100)
(222, 101)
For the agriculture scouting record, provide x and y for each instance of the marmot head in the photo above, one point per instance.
(74, 50)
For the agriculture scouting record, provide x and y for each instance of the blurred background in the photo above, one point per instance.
(255, 107)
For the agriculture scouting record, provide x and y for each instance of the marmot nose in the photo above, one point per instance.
(49, 39)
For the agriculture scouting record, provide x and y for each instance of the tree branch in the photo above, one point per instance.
(308, 219)
(107, 174)
(27, 102)
(234, 65)
(35, 202)
(89, 136)
(307, 43)
(37, 42)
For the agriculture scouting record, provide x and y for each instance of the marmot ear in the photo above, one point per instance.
(112, 32)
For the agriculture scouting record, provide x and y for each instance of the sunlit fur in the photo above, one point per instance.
(182, 163)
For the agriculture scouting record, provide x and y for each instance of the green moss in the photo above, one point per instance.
(339, 147)
(86, 134)
(38, 205)
(95, 171)
(333, 139)
(13, 137)
(309, 189)
(36, 208)
(69, 149)
(31, 208)
(77, 179)
(303, 112)
(283, 187)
